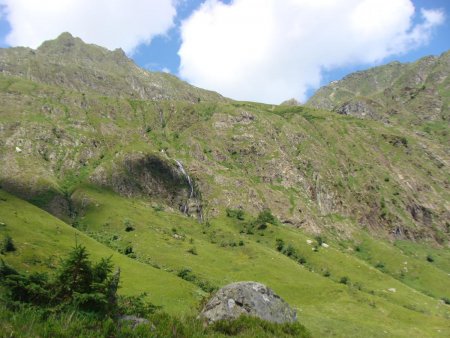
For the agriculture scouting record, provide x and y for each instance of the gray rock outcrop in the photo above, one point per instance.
(247, 298)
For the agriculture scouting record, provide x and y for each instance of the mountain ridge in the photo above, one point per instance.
(408, 94)
(70, 63)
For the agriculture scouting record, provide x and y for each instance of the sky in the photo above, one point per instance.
(255, 50)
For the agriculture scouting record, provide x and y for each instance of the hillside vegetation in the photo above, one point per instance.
(345, 218)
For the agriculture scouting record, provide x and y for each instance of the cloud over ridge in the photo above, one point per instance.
(271, 50)
(110, 23)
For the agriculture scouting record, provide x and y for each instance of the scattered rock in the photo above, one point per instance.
(18, 150)
(357, 108)
(393, 290)
(133, 321)
(248, 298)
(176, 236)
(325, 245)
(309, 241)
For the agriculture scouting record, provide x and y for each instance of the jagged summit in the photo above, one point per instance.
(67, 48)
(64, 39)
(69, 62)
(397, 92)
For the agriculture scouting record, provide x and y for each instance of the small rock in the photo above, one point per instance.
(309, 241)
(134, 321)
(18, 150)
(325, 245)
(392, 290)
(247, 298)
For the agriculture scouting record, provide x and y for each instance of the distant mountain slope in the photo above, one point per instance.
(413, 93)
(308, 166)
(70, 63)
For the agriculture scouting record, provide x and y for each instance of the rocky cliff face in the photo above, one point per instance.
(315, 170)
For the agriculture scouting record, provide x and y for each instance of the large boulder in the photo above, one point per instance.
(248, 298)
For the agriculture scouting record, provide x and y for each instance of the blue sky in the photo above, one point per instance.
(262, 50)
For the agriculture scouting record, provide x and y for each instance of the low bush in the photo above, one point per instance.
(289, 251)
(344, 280)
(265, 217)
(193, 251)
(188, 275)
(128, 225)
(7, 245)
(235, 213)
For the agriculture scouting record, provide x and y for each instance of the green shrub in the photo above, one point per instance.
(320, 240)
(262, 226)
(344, 280)
(77, 282)
(188, 275)
(430, 259)
(301, 260)
(128, 250)
(128, 225)
(136, 305)
(279, 244)
(7, 245)
(235, 213)
(379, 265)
(266, 216)
(193, 251)
(289, 251)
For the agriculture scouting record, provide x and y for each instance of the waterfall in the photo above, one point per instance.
(188, 178)
(191, 193)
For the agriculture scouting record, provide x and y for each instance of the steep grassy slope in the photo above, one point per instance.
(42, 239)
(308, 166)
(363, 306)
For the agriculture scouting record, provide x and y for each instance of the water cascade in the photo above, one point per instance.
(188, 179)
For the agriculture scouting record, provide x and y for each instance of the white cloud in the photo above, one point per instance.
(271, 50)
(110, 23)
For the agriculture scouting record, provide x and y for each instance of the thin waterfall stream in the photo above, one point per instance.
(188, 178)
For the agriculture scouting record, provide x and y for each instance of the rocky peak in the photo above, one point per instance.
(67, 49)
(69, 62)
(415, 91)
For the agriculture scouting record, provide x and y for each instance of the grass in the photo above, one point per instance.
(364, 296)
(325, 306)
(40, 240)
(313, 169)
(33, 322)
